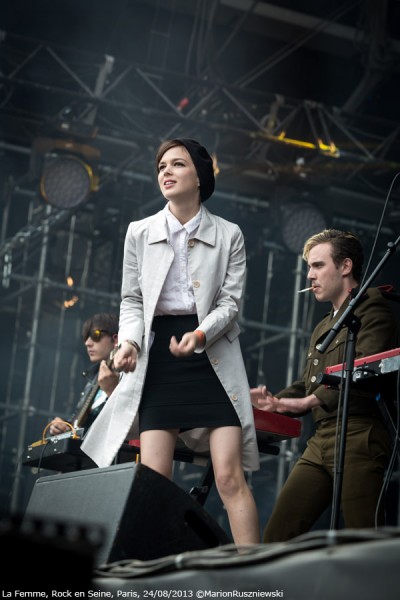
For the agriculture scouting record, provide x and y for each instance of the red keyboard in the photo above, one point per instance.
(271, 427)
(378, 364)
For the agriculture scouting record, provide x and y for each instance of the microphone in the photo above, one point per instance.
(328, 380)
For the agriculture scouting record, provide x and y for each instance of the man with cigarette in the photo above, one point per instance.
(335, 260)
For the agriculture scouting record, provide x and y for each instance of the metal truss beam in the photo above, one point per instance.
(119, 92)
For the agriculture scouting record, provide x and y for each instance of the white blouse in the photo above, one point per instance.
(177, 297)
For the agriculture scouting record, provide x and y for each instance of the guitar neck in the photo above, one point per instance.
(85, 408)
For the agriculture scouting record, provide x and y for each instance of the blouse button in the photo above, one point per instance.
(191, 243)
(196, 284)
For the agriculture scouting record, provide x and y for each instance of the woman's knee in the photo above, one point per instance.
(229, 482)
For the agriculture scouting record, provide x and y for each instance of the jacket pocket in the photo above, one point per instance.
(233, 333)
(335, 353)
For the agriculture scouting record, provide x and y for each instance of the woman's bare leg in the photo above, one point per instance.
(157, 450)
(226, 446)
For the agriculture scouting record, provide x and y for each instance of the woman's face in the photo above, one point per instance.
(177, 175)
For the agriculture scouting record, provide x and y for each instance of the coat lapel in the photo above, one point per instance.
(158, 230)
(157, 259)
(207, 231)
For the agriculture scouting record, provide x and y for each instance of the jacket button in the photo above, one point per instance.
(196, 284)
(191, 243)
(309, 354)
(315, 361)
(234, 397)
(313, 379)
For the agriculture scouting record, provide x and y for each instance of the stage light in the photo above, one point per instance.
(216, 168)
(66, 169)
(299, 222)
(71, 302)
(330, 149)
(67, 181)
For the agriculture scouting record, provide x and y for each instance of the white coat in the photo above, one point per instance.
(216, 262)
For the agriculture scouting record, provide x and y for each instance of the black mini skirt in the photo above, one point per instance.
(181, 393)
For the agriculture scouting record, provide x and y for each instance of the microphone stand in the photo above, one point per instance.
(353, 323)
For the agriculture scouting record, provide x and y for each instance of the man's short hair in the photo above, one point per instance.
(344, 245)
(105, 321)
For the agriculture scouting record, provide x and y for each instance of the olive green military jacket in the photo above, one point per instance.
(377, 333)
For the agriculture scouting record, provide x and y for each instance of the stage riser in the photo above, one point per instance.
(367, 571)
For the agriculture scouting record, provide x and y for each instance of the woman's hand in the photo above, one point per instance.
(125, 358)
(186, 346)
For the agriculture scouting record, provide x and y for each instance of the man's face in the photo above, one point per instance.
(328, 281)
(99, 345)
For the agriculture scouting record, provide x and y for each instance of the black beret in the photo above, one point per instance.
(204, 166)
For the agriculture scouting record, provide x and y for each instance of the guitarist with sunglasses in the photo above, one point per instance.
(99, 334)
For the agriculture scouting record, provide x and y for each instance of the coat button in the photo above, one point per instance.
(315, 361)
(191, 243)
(309, 354)
(234, 397)
(313, 379)
(196, 284)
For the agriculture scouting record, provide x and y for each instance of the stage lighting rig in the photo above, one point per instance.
(67, 170)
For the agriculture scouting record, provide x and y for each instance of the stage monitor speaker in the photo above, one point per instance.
(144, 515)
(46, 555)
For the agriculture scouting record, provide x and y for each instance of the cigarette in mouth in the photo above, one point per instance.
(305, 290)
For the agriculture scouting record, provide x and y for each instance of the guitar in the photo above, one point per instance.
(83, 412)
(82, 415)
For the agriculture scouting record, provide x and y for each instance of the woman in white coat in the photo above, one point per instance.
(183, 276)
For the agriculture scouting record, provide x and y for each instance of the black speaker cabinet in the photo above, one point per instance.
(143, 514)
(46, 555)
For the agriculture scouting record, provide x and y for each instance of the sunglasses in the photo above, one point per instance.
(97, 334)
